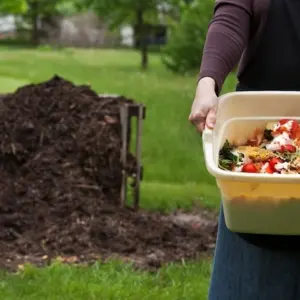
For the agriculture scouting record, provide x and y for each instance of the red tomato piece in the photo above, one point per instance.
(269, 169)
(274, 161)
(290, 148)
(295, 125)
(294, 129)
(249, 168)
(283, 121)
(282, 149)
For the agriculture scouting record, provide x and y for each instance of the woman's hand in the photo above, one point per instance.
(204, 108)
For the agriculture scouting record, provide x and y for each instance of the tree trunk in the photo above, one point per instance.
(34, 14)
(142, 38)
(144, 53)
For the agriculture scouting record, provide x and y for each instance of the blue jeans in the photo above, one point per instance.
(242, 271)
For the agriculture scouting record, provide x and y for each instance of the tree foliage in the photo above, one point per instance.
(12, 6)
(138, 13)
(43, 12)
(184, 50)
(118, 12)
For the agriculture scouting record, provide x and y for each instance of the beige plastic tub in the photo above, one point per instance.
(254, 203)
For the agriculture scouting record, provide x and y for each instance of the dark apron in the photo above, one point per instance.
(276, 66)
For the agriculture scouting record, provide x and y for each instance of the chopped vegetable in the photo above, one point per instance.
(226, 158)
(273, 162)
(273, 150)
(249, 168)
(288, 148)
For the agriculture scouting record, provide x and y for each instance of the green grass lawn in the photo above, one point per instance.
(111, 281)
(175, 174)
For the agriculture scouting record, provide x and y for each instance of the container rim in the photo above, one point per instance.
(214, 169)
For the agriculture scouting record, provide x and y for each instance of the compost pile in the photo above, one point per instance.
(60, 180)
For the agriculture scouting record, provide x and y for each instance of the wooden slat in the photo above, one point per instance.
(138, 150)
(124, 123)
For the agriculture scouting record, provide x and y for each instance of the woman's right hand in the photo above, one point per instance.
(204, 108)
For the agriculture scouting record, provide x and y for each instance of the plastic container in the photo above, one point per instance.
(254, 203)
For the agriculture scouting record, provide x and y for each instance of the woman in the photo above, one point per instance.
(265, 36)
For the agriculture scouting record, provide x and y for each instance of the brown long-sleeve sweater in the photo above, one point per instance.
(232, 36)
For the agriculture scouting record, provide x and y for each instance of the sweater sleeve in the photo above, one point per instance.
(226, 39)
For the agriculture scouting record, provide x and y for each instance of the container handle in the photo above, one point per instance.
(207, 142)
(207, 135)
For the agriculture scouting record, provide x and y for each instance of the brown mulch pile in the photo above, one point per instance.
(61, 178)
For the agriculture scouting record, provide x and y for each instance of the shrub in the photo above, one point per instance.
(183, 51)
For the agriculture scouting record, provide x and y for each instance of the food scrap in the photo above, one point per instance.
(273, 150)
